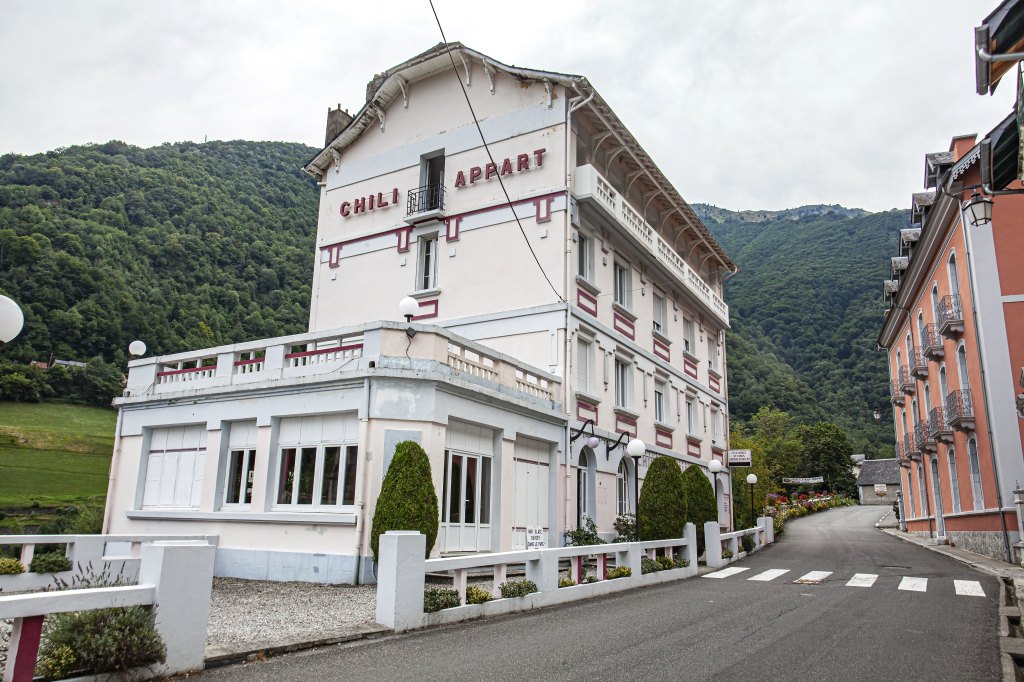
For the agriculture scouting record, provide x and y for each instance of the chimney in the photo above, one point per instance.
(337, 120)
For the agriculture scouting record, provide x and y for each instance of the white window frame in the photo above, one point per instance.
(660, 389)
(622, 488)
(426, 262)
(247, 471)
(622, 285)
(346, 449)
(689, 335)
(954, 480)
(584, 365)
(716, 428)
(713, 353)
(155, 485)
(920, 487)
(977, 489)
(660, 322)
(585, 256)
(623, 383)
(691, 416)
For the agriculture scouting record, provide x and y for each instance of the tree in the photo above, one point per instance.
(701, 505)
(661, 511)
(827, 453)
(407, 499)
(759, 466)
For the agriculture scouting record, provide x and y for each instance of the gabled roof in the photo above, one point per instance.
(874, 471)
(387, 87)
(919, 206)
(935, 164)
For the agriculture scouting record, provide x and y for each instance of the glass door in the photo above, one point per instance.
(467, 503)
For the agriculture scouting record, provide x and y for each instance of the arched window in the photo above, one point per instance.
(935, 302)
(920, 489)
(943, 384)
(954, 279)
(961, 364)
(583, 488)
(622, 489)
(927, 399)
(910, 497)
(899, 365)
(954, 481)
(903, 418)
(920, 327)
(910, 350)
(914, 412)
(976, 490)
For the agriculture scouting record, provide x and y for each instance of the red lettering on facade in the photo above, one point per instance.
(460, 179)
(381, 201)
(474, 174)
(368, 203)
(523, 162)
(359, 205)
(490, 170)
(394, 196)
(346, 207)
(506, 167)
(371, 202)
(539, 155)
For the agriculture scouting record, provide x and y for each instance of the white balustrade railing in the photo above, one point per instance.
(322, 353)
(470, 362)
(716, 542)
(402, 570)
(588, 182)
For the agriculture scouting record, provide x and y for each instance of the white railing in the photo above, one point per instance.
(402, 570)
(534, 385)
(587, 182)
(718, 542)
(470, 362)
(325, 352)
(179, 375)
(175, 578)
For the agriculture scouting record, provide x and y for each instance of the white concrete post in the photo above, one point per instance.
(182, 572)
(87, 549)
(713, 545)
(544, 571)
(400, 579)
(500, 571)
(690, 551)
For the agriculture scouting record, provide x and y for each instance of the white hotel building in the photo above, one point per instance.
(280, 445)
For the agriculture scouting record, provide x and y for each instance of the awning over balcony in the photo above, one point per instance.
(1005, 153)
(1001, 33)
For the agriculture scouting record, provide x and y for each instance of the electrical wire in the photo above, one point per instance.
(490, 156)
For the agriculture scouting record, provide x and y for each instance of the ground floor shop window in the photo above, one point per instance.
(317, 476)
(241, 467)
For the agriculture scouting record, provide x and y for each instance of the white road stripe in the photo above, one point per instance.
(726, 572)
(914, 584)
(771, 574)
(813, 578)
(862, 580)
(969, 588)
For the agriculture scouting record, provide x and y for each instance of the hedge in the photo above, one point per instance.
(407, 499)
(699, 499)
(662, 510)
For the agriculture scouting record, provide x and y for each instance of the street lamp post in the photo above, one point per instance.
(636, 449)
(752, 479)
(715, 467)
(11, 320)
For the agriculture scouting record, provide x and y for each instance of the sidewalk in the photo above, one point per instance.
(985, 564)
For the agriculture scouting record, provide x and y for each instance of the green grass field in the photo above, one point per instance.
(54, 454)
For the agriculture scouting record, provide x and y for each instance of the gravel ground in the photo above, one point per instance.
(262, 613)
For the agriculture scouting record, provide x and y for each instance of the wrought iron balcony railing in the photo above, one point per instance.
(895, 394)
(960, 410)
(426, 199)
(907, 383)
(931, 342)
(910, 446)
(918, 363)
(924, 439)
(938, 429)
(951, 316)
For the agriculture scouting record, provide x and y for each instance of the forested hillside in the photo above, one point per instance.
(192, 245)
(806, 311)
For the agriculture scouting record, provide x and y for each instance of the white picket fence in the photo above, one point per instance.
(402, 570)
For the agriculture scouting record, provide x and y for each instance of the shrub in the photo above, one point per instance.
(661, 511)
(517, 588)
(437, 598)
(477, 595)
(625, 528)
(565, 581)
(699, 497)
(99, 641)
(590, 579)
(407, 499)
(748, 543)
(580, 537)
(618, 572)
(665, 563)
(51, 562)
(727, 554)
(649, 565)
(11, 567)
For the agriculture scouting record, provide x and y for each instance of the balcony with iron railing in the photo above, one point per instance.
(425, 203)
(960, 410)
(951, 316)
(938, 429)
(910, 449)
(918, 362)
(908, 384)
(895, 394)
(931, 342)
(588, 184)
(923, 438)
(304, 360)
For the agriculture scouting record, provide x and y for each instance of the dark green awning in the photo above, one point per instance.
(1005, 145)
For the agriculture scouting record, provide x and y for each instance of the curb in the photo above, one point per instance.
(1006, 571)
(219, 656)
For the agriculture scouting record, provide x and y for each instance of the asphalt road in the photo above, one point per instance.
(713, 629)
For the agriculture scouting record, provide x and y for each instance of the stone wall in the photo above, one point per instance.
(987, 542)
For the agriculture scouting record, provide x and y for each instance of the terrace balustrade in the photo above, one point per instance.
(931, 341)
(951, 316)
(960, 410)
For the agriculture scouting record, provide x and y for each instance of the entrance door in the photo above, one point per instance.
(530, 490)
(940, 524)
(467, 503)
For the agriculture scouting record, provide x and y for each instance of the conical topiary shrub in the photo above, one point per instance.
(699, 497)
(661, 511)
(407, 499)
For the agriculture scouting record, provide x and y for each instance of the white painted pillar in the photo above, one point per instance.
(713, 545)
(544, 571)
(400, 579)
(182, 572)
(690, 551)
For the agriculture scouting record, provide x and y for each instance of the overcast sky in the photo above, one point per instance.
(743, 104)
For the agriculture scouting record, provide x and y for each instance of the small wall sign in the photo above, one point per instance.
(739, 458)
(881, 489)
(536, 538)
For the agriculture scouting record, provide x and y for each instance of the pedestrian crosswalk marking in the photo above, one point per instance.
(813, 578)
(862, 580)
(968, 588)
(770, 574)
(914, 584)
(726, 572)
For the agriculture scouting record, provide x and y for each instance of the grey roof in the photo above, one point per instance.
(939, 158)
(874, 471)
